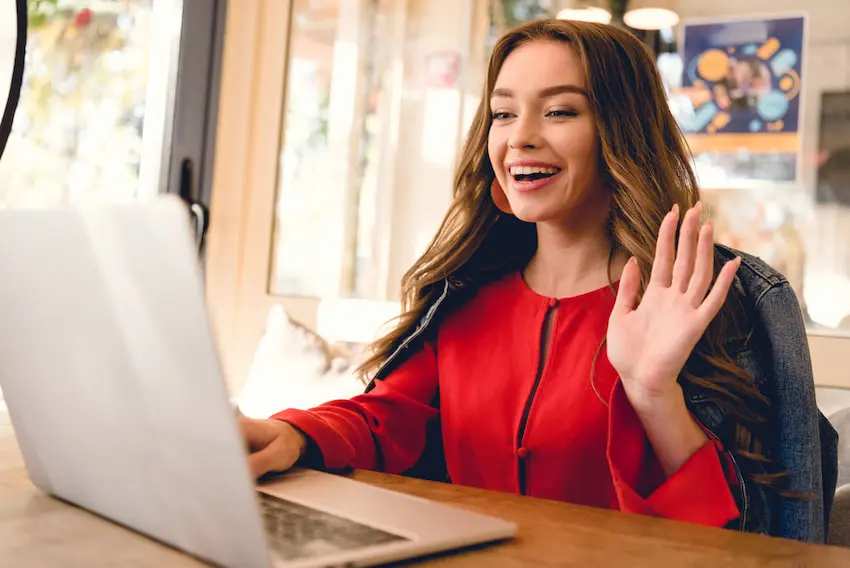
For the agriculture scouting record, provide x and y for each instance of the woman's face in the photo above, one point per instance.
(543, 143)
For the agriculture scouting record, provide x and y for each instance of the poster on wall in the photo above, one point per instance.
(743, 79)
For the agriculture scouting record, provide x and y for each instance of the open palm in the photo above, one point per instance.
(648, 344)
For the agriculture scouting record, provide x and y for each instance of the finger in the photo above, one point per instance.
(627, 293)
(271, 458)
(683, 268)
(662, 265)
(249, 434)
(714, 301)
(704, 268)
(255, 432)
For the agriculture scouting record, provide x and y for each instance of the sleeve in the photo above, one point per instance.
(384, 429)
(796, 432)
(698, 492)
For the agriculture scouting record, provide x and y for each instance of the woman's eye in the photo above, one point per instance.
(500, 115)
(562, 113)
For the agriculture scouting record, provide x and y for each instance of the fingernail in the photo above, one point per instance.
(633, 260)
(675, 209)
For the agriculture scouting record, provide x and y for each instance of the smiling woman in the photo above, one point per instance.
(572, 332)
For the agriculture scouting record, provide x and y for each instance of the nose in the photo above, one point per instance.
(525, 134)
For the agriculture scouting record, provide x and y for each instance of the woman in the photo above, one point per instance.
(556, 340)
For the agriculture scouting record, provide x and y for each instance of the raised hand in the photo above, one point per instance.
(648, 344)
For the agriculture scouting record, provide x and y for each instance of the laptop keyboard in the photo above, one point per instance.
(297, 532)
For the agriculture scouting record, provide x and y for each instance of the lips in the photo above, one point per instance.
(529, 186)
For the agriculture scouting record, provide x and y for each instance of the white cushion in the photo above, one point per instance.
(294, 368)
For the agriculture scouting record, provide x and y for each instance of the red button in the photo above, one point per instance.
(553, 302)
(522, 453)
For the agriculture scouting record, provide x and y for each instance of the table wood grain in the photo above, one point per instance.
(38, 531)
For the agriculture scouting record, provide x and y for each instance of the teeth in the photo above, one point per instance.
(528, 170)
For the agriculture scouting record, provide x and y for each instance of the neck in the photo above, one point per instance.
(572, 259)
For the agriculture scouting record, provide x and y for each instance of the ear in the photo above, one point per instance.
(499, 198)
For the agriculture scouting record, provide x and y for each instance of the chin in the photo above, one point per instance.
(534, 214)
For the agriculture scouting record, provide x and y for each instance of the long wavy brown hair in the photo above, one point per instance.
(646, 164)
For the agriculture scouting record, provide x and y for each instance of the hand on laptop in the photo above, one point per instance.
(273, 445)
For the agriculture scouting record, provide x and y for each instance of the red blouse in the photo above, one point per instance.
(508, 426)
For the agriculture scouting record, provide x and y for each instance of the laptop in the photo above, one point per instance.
(113, 386)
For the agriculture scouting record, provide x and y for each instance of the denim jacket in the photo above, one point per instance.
(775, 351)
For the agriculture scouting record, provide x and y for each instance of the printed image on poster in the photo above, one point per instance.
(743, 76)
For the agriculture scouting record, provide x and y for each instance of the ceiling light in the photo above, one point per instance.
(598, 15)
(651, 14)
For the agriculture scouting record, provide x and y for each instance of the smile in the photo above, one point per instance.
(532, 178)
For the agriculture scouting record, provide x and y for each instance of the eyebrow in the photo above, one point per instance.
(545, 93)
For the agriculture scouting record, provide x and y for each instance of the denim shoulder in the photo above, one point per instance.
(803, 443)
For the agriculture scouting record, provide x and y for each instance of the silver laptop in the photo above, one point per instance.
(113, 386)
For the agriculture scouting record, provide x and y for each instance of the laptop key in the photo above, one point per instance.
(295, 531)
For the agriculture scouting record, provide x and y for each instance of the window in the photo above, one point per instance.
(338, 92)
(80, 129)
(356, 120)
(359, 195)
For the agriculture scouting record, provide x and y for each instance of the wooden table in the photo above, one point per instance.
(37, 531)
